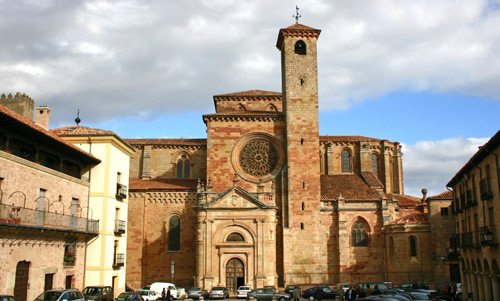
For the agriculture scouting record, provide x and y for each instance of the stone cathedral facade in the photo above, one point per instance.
(265, 200)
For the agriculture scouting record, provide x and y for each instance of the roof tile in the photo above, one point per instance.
(163, 184)
(351, 187)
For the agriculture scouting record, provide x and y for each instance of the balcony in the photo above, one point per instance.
(120, 227)
(488, 237)
(119, 260)
(121, 191)
(15, 216)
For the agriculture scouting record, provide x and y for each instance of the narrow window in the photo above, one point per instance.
(345, 160)
(301, 226)
(375, 164)
(359, 235)
(303, 206)
(300, 47)
(174, 234)
(444, 211)
(413, 246)
(183, 167)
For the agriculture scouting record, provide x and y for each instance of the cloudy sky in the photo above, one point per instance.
(425, 73)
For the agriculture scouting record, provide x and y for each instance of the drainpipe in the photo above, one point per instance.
(87, 227)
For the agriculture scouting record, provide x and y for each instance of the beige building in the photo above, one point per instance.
(476, 206)
(266, 200)
(108, 202)
(44, 210)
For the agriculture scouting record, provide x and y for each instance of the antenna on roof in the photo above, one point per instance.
(77, 119)
(296, 16)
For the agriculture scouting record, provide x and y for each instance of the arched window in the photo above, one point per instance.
(271, 107)
(300, 47)
(235, 237)
(359, 235)
(413, 246)
(183, 167)
(345, 160)
(375, 164)
(174, 234)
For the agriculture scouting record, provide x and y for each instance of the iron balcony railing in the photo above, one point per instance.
(121, 191)
(119, 260)
(120, 226)
(45, 220)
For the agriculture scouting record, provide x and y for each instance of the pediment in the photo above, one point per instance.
(235, 198)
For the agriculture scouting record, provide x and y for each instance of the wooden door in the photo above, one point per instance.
(21, 286)
(234, 274)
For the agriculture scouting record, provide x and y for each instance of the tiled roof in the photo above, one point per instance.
(300, 27)
(443, 195)
(371, 179)
(78, 131)
(351, 187)
(404, 200)
(42, 135)
(163, 184)
(346, 138)
(414, 218)
(168, 141)
(296, 30)
(251, 93)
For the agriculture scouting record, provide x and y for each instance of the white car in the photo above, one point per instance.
(148, 295)
(158, 287)
(243, 291)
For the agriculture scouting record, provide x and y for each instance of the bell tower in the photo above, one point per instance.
(304, 247)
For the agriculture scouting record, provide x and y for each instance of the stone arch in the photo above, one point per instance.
(495, 271)
(240, 108)
(360, 232)
(271, 108)
(225, 229)
(300, 47)
(172, 229)
(479, 266)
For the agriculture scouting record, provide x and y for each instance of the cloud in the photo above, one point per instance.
(432, 164)
(145, 59)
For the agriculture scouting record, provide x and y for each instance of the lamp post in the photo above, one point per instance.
(172, 268)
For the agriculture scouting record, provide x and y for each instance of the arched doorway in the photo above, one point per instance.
(235, 275)
(21, 286)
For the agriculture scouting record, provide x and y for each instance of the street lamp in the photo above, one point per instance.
(172, 268)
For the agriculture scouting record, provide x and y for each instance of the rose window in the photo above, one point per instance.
(258, 157)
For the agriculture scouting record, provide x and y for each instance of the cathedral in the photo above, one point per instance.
(265, 200)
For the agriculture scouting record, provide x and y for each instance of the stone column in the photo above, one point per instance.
(495, 287)
(488, 294)
(480, 286)
(475, 293)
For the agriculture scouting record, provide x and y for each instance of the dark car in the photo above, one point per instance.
(8, 298)
(326, 293)
(132, 296)
(289, 289)
(218, 292)
(412, 285)
(197, 292)
(98, 293)
(267, 294)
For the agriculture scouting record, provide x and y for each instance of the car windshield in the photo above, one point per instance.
(124, 296)
(246, 288)
(92, 291)
(49, 296)
(217, 288)
(143, 292)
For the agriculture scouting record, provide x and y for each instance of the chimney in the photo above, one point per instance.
(42, 116)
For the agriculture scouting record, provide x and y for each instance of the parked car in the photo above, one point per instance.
(326, 293)
(270, 287)
(389, 284)
(98, 293)
(129, 296)
(289, 289)
(412, 285)
(8, 298)
(243, 291)
(197, 292)
(267, 294)
(61, 294)
(148, 295)
(380, 285)
(219, 292)
(159, 286)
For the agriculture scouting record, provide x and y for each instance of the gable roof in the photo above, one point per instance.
(84, 131)
(351, 187)
(249, 197)
(443, 195)
(404, 200)
(39, 134)
(159, 184)
(168, 141)
(413, 218)
(371, 179)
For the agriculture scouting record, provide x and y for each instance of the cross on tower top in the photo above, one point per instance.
(297, 15)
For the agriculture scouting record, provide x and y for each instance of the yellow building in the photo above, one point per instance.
(105, 260)
(476, 206)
